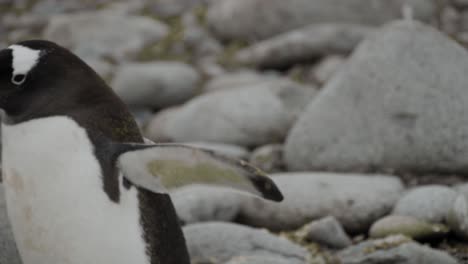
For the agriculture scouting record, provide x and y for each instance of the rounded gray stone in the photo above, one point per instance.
(408, 226)
(429, 203)
(248, 116)
(268, 158)
(326, 231)
(303, 45)
(355, 200)
(458, 217)
(155, 84)
(260, 19)
(220, 242)
(399, 104)
(104, 34)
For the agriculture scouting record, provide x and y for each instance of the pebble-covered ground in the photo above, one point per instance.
(357, 108)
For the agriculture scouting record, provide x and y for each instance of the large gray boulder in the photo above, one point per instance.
(220, 242)
(104, 34)
(155, 84)
(356, 201)
(8, 251)
(400, 103)
(260, 19)
(248, 116)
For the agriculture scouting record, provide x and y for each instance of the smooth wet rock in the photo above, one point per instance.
(395, 250)
(458, 217)
(399, 103)
(268, 158)
(303, 45)
(326, 231)
(248, 116)
(238, 79)
(220, 242)
(355, 200)
(260, 19)
(232, 151)
(407, 226)
(171, 8)
(156, 84)
(429, 203)
(328, 67)
(8, 251)
(104, 34)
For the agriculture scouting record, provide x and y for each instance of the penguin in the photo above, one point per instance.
(81, 186)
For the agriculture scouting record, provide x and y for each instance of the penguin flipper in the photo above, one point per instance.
(162, 167)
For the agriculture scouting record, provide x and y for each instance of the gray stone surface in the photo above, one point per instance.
(394, 250)
(429, 203)
(408, 226)
(304, 45)
(356, 200)
(248, 116)
(232, 151)
(260, 19)
(400, 103)
(268, 158)
(156, 84)
(104, 34)
(170, 8)
(326, 231)
(238, 79)
(220, 242)
(8, 252)
(328, 67)
(458, 217)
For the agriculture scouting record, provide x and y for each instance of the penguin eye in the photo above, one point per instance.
(18, 79)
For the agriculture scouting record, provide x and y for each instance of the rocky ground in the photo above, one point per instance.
(357, 108)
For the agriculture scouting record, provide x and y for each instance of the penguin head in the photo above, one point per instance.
(35, 73)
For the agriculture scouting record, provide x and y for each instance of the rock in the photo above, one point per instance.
(328, 67)
(238, 79)
(268, 158)
(396, 250)
(260, 19)
(232, 151)
(104, 34)
(259, 259)
(458, 217)
(155, 84)
(407, 226)
(102, 67)
(171, 8)
(356, 201)
(375, 114)
(326, 231)
(220, 242)
(303, 45)
(462, 189)
(248, 116)
(8, 251)
(197, 39)
(429, 203)
(205, 204)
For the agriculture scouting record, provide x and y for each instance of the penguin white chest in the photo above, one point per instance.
(55, 198)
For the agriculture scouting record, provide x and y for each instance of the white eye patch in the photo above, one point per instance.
(24, 59)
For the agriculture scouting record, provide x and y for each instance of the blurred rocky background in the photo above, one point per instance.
(357, 108)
